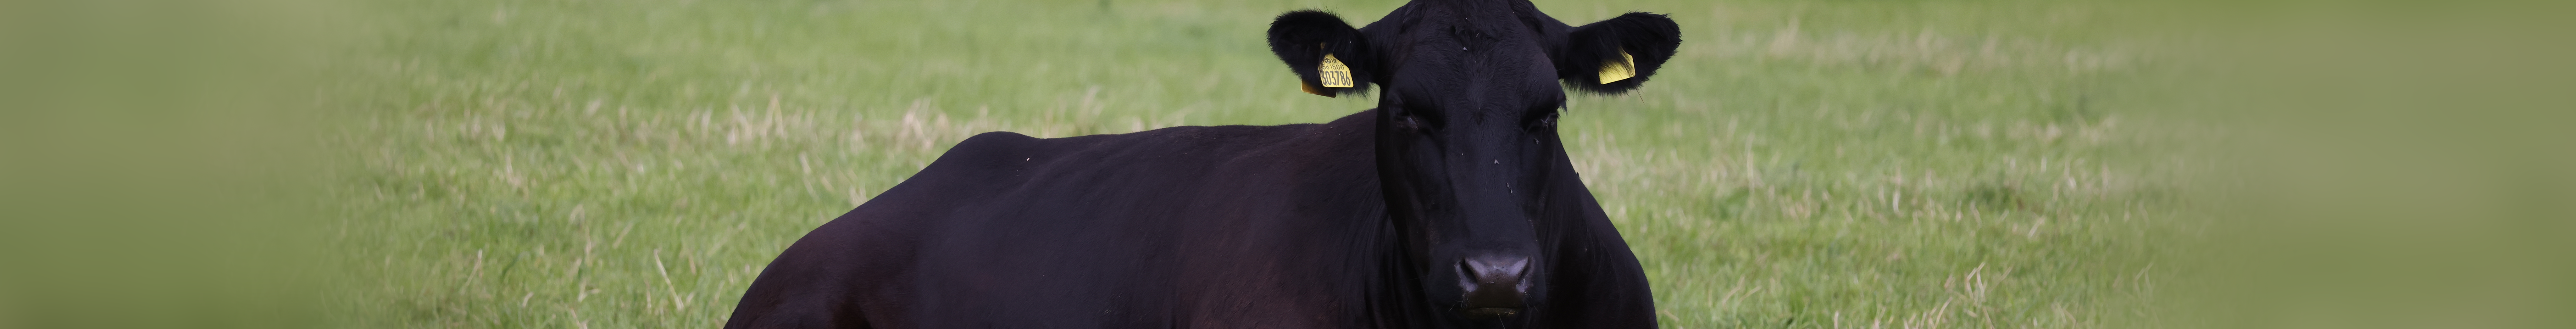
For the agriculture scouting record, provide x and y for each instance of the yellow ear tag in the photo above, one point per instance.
(1312, 89)
(1623, 69)
(1333, 73)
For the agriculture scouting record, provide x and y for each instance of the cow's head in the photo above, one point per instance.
(1467, 144)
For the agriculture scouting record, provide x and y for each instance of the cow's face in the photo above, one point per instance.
(1467, 139)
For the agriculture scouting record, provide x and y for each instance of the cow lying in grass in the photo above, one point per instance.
(1451, 204)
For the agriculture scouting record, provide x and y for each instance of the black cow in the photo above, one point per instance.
(1450, 205)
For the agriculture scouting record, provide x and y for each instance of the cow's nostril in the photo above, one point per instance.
(1494, 284)
(1491, 268)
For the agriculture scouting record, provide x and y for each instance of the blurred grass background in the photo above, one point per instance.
(1801, 164)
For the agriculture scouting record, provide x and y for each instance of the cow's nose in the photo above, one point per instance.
(1495, 284)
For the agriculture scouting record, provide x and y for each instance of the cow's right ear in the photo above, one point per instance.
(1615, 55)
(1328, 55)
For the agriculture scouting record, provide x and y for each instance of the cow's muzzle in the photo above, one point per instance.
(1495, 285)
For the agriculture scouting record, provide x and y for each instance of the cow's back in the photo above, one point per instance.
(1249, 224)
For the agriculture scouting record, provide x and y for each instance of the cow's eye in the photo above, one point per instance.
(1418, 119)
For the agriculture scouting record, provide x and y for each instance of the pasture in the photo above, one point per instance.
(1838, 164)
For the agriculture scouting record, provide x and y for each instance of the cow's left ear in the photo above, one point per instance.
(1616, 55)
(1328, 55)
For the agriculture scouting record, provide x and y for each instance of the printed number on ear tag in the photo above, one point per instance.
(1333, 73)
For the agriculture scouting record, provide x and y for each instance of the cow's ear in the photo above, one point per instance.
(1328, 55)
(1616, 55)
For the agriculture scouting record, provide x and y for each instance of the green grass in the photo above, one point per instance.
(616, 164)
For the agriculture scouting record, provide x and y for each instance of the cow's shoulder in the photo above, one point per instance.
(1126, 225)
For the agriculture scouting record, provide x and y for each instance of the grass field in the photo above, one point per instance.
(1833, 164)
